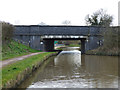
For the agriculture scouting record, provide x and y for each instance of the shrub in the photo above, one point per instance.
(111, 37)
(7, 32)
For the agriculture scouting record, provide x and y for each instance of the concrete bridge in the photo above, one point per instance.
(90, 36)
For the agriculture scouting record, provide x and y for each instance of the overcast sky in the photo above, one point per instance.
(54, 12)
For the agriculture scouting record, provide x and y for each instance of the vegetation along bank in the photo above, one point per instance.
(14, 74)
(110, 45)
(11, 48)
(111, 35)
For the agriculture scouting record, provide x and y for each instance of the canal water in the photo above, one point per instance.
(70, 69)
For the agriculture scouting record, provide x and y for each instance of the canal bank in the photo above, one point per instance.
(14, 74)
(104, 51)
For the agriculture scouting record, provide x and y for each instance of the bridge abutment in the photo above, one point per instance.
(83, 46)
(48, 45)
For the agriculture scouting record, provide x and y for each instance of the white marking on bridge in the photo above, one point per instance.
(63, 36)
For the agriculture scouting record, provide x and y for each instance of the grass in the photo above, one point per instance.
(74, 45)
(15, 49)
(11, 71)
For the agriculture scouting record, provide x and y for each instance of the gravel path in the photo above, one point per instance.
(13, 60)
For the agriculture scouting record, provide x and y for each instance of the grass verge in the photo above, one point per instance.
(15, 49)
(12, 71)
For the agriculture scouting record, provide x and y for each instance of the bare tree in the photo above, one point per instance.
(99, 17)
(66, 22)
(42, 23)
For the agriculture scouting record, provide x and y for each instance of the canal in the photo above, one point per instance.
(70, 69)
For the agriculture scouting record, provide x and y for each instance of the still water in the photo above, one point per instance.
(70, 69)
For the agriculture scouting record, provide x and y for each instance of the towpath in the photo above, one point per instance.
(13, 60)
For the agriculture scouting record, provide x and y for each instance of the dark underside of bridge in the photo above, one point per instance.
(49, 43)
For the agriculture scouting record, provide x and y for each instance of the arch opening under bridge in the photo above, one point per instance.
(48, 41)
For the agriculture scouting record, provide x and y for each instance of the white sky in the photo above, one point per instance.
(53, 12)
(119, 14)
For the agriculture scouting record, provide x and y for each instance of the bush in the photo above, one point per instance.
(7, 32)
(111, 37)
(111, 41)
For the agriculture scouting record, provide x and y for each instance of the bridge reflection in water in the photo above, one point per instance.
(70, 69)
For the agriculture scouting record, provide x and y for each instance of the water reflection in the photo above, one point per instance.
(103, 70)
(68, 57)
(70, 69)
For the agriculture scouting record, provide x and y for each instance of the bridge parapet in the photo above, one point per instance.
(57, 30)
(22, 30)
(94, 31)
